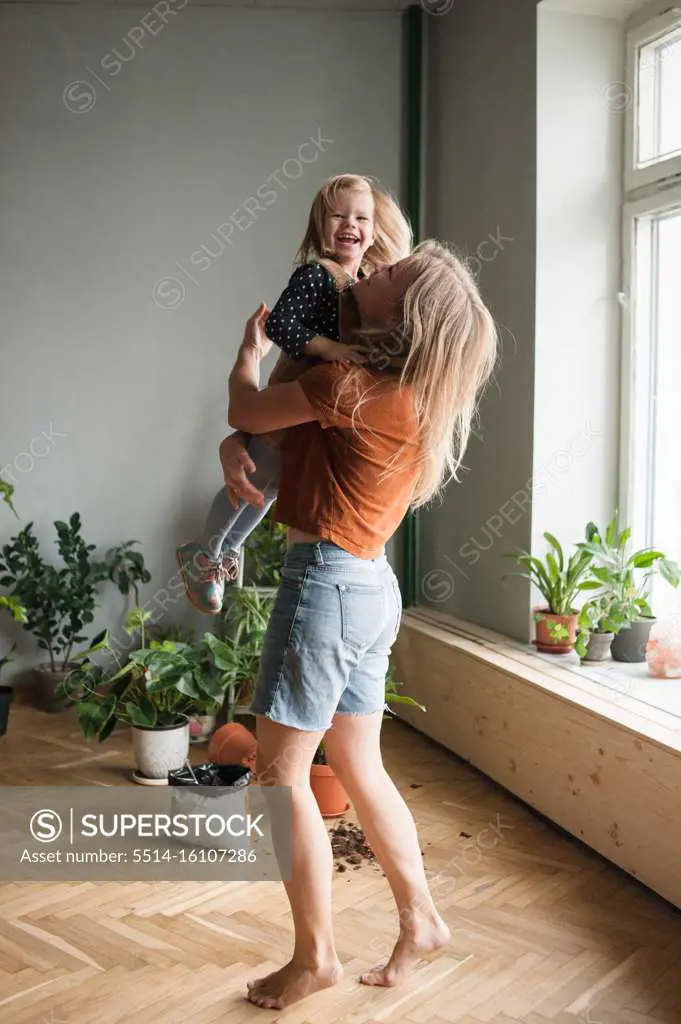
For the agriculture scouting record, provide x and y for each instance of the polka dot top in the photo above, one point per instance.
(308, 306)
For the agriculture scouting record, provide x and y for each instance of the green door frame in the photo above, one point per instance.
(413, 32)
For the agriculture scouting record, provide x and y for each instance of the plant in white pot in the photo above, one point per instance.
(161, 686)
(623, 579)
(59, 602)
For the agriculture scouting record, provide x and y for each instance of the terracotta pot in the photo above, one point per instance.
(329, 793)
(544, 641)
(233, 744)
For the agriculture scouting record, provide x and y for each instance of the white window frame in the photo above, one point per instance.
(649, 191)
(662, 170)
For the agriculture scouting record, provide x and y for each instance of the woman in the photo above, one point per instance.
(365, 444)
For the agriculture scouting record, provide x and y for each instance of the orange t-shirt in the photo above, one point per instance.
(337, 480)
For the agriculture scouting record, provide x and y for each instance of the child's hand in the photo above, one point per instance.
(335, 351)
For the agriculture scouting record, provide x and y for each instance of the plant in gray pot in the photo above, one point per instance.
(59, 602)
(160, 687)
(599, 623)
(623, 579)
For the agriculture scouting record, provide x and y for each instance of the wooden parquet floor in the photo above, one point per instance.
(544, 931)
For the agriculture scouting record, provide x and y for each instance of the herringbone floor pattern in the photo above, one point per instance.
(544, 932)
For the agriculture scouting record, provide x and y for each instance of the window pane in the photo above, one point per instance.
(657, 505)
(659, 107)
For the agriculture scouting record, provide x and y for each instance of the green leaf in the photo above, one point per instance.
(670, 572)
(556, 547)
(644, 559)
(144, 716)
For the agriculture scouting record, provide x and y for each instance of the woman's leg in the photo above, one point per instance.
(353, 750)
(284, 759)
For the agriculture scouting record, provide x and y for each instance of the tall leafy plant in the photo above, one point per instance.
(126, 569)
(59, 603)
(264, 553)
(237, 647)
(559, 579)
(622, 578)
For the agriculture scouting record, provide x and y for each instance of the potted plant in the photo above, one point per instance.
(6, 692)
(623, 579)
(238, 644)
(599, 622)
(328, 790)
(559, 582)
(125, 567)
(156, 692)
(59, 603)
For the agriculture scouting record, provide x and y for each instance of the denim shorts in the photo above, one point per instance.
(327, 644)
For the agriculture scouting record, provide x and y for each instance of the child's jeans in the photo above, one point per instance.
(227, 527)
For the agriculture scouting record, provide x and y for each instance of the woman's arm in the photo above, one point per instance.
(256, 411)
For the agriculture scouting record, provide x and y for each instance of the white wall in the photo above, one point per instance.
(579, 195)
(481, 193)
(101, 202)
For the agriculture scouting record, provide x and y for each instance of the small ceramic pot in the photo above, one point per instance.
(598, 648)
(159, 751)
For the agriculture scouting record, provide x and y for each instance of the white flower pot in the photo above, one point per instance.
(159, 751)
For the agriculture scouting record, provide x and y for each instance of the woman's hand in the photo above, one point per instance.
(236, 463)
(255, 340)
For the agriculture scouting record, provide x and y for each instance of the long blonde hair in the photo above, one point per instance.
(393, 239)
(444, 350)
(450, 356)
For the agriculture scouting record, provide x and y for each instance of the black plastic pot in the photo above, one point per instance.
(6, 698)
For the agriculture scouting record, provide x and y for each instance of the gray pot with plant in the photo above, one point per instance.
(622, 580)
(157, 691)
(559, 580)
(58, 603)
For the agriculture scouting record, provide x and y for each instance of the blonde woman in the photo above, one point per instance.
(353, 229)
(364, 444)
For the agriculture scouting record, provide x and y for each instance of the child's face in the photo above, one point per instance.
(349, 227)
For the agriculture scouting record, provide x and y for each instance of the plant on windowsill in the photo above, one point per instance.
(560, 581)
(328, 790)
(599, 623)
(162, 685)
(622, 579)
(59, 603)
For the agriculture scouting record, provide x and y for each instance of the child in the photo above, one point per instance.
(353, 229)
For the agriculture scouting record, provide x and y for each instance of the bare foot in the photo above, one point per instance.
(422, 938)
(293, 982)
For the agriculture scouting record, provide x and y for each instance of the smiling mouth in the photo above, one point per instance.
(347, 239)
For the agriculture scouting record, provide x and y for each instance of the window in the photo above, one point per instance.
(651, 464)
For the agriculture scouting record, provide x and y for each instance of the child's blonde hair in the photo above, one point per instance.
(393, 239)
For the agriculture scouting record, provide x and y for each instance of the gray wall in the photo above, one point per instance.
(481, 186)
(102, 201)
